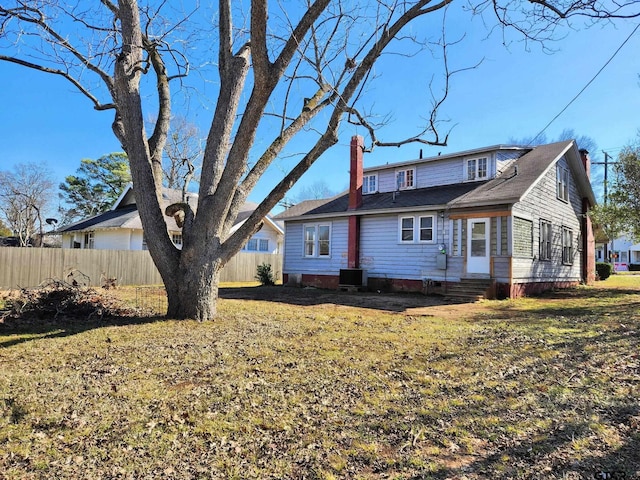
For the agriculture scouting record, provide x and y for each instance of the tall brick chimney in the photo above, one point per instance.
(586, 161)
(355, 201)
(588, 238)
(355, 174)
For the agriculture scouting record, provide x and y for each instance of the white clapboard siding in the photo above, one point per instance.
(296, 262)
(542, 203)
(382, 255)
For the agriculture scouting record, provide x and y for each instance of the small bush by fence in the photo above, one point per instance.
(29, 267)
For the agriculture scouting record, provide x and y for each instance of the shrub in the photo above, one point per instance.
(604, 270)
(265, 275)
(634, 267)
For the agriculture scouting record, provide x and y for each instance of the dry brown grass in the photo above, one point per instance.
(331, 386)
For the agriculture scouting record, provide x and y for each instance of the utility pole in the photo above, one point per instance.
(606, 164)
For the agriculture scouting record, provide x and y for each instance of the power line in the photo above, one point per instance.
(587, 85)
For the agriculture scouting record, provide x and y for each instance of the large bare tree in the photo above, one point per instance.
(25, 194)
(286, 69)
(182, 155)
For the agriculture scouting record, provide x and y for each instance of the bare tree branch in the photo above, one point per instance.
(96, 103)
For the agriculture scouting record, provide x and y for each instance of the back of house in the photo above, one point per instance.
(503, 220)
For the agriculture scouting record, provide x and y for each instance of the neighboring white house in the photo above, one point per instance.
(512, 217)
(121, 229)
(622, 251)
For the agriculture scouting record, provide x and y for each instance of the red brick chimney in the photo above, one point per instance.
(355, 201)
(586, 161)
(355, 174)
(588, 239)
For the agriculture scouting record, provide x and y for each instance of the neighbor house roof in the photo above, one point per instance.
(124, 213)
(125, 217)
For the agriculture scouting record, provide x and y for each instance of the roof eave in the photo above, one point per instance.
(378, 211)
(487, 203)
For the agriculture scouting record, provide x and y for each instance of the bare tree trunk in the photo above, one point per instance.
(193, 290)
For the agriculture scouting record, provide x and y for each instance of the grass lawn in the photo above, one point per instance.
(325, 388)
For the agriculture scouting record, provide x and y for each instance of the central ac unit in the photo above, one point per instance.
(355, 277)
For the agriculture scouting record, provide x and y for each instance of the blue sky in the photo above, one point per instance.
(514, 93)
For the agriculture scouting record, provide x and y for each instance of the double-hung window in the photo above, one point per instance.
(567, 246)
(545, 240)
(317, 240)
(263, 245)
(89, 240)
(416, 229)
(406, 229)
(477, 169)
(562, 177)
(405, 179)
(426, 229)
(370, 183)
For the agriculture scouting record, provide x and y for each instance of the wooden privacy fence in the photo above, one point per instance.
(29, 267)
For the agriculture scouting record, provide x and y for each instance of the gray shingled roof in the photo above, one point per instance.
(124, 217)
(433, 196)
(508, 188)
(304, 207)
(127, 216)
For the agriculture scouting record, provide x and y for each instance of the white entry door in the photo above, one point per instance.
(478, 230)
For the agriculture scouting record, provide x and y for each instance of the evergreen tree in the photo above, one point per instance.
(95, 186)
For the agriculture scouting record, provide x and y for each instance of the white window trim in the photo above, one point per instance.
(544, 253)
(476, 178)
(316, 239)
(416, 229)
(365, 182)
(567, 261)
(413, 229)
(89, 240)
(413, 175)
(562, 183)
(433, 228)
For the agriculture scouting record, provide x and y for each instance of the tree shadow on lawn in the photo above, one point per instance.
(389, 302)
(556, 453)
(565, 427)
(544, 406)
(588, 383)
(30, 327)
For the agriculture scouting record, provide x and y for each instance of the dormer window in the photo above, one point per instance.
(477, 169)
(405, 179)
(370, 183)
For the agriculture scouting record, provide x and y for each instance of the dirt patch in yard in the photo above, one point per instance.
(414, 304)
